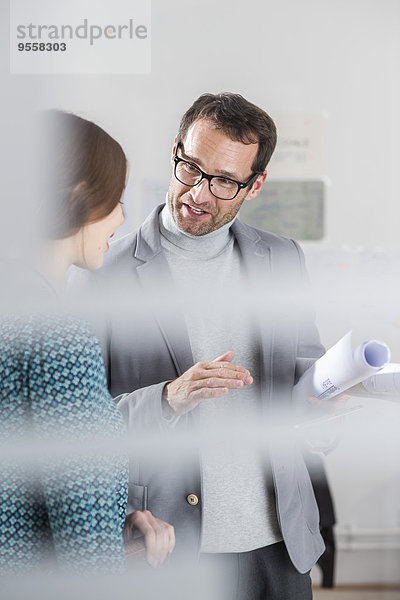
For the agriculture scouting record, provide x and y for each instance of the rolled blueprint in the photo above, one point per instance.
(385, 384)
(341, 368)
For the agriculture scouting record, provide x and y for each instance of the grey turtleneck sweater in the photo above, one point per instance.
(238, 510)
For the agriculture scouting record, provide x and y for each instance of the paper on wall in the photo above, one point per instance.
(341, 367)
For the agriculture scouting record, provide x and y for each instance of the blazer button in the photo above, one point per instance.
(192, 499)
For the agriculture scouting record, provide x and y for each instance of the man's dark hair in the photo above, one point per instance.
(238, 118)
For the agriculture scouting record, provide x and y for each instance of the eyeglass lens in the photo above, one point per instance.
(221, 187)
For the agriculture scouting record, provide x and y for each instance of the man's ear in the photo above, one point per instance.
(256, 187)
(174, 149)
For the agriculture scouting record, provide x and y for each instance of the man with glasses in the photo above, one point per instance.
(211, 328)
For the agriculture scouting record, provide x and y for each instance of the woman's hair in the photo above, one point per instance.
(85, 174)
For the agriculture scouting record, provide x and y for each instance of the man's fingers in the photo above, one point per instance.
(205, 392)
(227, 357)
(228, 370)
(224, 370)
(218, 382)
(224, 365)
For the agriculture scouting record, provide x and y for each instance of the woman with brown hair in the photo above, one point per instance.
(67, 507)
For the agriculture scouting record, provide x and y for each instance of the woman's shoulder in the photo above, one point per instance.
(66, 371)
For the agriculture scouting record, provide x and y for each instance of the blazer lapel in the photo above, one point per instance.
(257, 257)
(156, 280)
(255, 252)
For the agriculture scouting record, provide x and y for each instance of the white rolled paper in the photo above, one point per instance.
(340, 368)
(385, 384)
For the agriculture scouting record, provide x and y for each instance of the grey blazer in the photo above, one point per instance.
(145, 345)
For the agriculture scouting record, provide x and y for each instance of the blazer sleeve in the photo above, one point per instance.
(142, 408)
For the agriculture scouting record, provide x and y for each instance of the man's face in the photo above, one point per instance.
(194, 209)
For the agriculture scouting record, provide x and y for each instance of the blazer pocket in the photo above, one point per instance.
(137, 497)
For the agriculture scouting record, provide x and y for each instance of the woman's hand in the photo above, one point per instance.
(159, 536)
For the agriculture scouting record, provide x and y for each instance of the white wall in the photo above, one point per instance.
(285, 55)
(337, 55)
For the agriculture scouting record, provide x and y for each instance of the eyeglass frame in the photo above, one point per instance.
(240, 184)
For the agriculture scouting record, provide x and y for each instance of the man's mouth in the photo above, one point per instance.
(195, 210)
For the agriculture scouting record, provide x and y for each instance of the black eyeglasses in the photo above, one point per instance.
(223, 188)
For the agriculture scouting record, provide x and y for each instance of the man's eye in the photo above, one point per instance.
(225, 183)
(190, 169)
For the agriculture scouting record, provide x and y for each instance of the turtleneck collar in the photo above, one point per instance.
(205, 246)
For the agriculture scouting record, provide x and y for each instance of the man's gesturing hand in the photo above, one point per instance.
(204, 380)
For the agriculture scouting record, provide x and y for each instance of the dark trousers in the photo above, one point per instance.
(263, 574)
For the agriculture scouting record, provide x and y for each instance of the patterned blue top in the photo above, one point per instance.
(54, 400)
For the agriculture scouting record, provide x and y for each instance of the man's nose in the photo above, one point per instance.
(201, 192)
